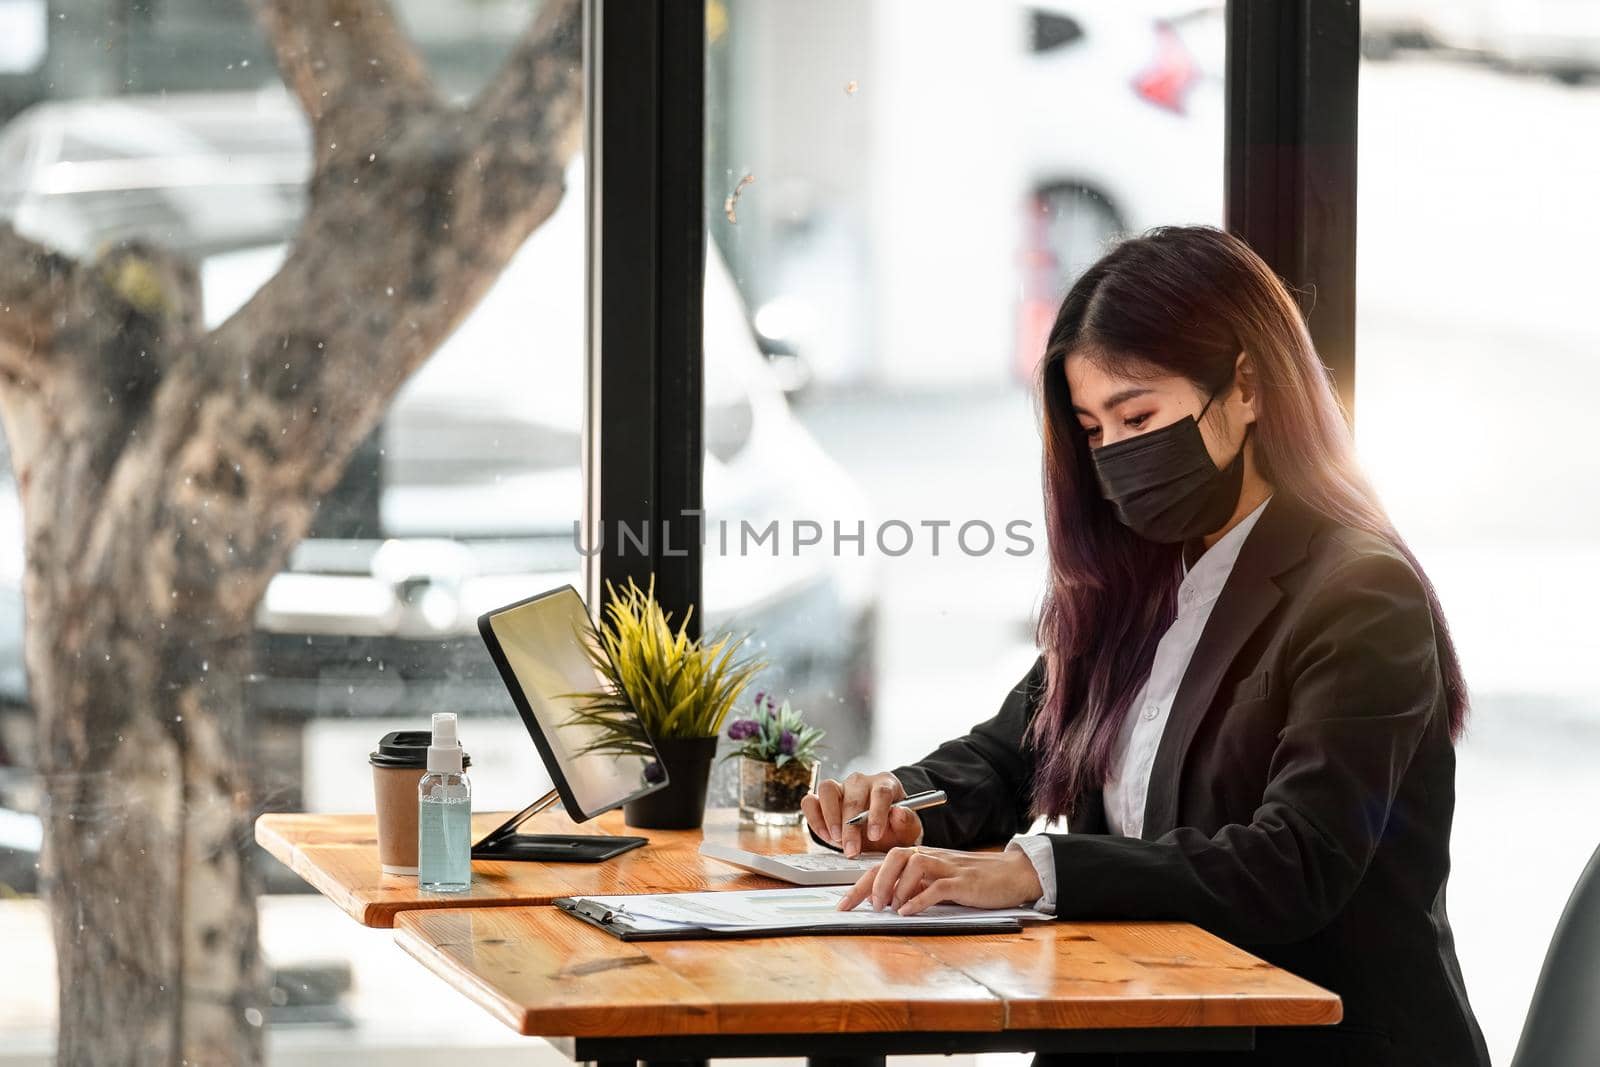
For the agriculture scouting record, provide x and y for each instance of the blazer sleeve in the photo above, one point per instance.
(1364, 682)
(987, 774)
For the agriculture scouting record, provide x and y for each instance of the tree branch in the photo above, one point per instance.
(35, 283)
(113, 321)
(544, 69)
(342, 58)
(410, 221)
(408, 236)
(528, 121)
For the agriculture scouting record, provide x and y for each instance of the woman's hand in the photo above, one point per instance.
(885, 827)
(912, 879)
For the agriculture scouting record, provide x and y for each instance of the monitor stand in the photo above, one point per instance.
(504, 843)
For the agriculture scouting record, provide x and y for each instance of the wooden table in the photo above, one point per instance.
(1060, 987)
(338, 856)
(1056, 987)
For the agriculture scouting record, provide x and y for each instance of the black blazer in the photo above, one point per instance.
(1300, 800)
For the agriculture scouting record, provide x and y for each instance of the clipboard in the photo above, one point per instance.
(619, 924)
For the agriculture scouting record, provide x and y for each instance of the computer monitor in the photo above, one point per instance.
(538, 646)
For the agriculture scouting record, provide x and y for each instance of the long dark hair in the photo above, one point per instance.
(1182, 300)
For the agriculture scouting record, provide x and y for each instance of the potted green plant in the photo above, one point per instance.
(682, 690)
(778, 759)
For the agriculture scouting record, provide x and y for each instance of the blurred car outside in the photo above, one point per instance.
(1557, 38)
(1145, 77)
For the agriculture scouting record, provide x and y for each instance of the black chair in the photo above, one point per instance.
(1563, 1024)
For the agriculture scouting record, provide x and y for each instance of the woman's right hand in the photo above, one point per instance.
(884, 828)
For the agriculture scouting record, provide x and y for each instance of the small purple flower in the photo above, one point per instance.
(786, 743)
(759, 694)
(743, 729)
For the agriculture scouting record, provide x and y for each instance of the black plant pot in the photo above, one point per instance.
(682, 804)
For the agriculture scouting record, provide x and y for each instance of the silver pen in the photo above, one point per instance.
(916, 802)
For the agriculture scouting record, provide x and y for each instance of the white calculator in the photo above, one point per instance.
(796, 868)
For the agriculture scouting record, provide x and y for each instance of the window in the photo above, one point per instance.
(1476, 354)
(898, 196)
(384, 321)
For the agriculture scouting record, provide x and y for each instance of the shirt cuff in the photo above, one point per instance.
(922, 829)
(1038, 849)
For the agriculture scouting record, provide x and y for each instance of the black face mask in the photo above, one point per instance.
(1163, 484)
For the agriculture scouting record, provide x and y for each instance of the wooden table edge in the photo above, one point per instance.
(290, 855)
(481, 993)
(1316, 1007)
(268, 837)
(374, 915)
(712, 1021)
(1202, 1011)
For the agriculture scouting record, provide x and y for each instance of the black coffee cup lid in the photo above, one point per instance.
(407, 749)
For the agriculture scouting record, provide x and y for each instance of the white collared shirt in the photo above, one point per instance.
(1135, 754)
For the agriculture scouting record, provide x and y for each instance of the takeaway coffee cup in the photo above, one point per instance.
(397, 767)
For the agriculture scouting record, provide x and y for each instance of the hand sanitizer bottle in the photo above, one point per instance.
(444, 814)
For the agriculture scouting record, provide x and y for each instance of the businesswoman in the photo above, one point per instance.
(1247, 695)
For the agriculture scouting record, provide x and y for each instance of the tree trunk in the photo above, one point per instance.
(165, 474)
(154, 911)
(137, 646)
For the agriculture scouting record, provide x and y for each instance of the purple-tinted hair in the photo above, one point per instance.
(1182, 300)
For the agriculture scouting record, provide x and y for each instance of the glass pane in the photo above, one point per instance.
(1476, 351)
(898, 196)
(287, 406)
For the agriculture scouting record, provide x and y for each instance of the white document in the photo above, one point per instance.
(778, 909)
(796, 868)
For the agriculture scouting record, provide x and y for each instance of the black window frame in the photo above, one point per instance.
(644, 418)
(1290, 158)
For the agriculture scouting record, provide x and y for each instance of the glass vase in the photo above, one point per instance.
(769, 795)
